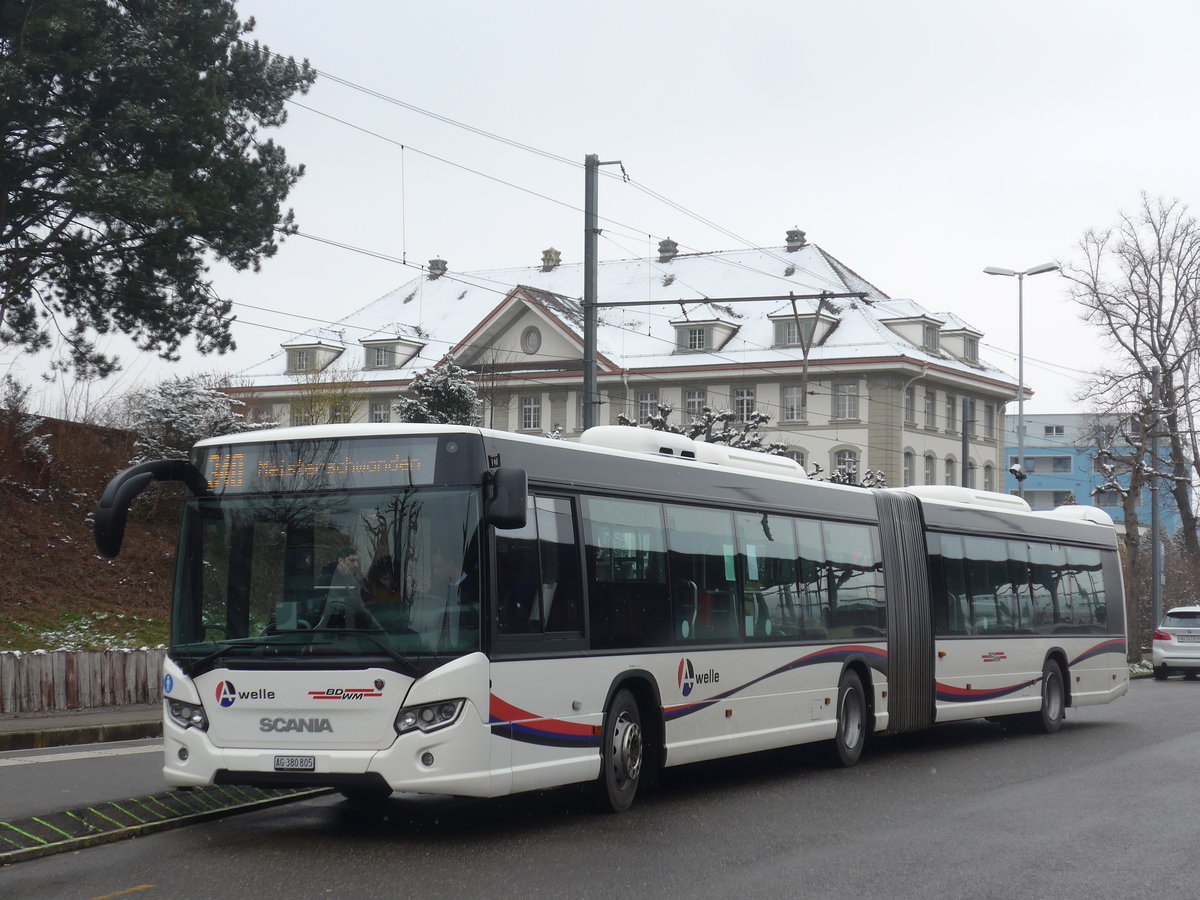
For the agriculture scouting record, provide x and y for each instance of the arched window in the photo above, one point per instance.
(971, 467)
(951, 470)
(989, 477)
(846, 461)
(909, 461)
(930, 469)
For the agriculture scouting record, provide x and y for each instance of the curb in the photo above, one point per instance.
(81, 734)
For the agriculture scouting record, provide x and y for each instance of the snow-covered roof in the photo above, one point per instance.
(453, 310)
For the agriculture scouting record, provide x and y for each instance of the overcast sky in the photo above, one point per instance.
(918, 142)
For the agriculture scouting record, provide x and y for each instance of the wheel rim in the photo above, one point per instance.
(627, 750)
(851, 718)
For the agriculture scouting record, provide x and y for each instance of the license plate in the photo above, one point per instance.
(1188, 638)
(295, 764)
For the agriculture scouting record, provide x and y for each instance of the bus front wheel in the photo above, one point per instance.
(621, 754)
(851, 720)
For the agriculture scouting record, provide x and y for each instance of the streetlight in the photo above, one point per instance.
(1036, 270)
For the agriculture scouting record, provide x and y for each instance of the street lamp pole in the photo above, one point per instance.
(1020, 276)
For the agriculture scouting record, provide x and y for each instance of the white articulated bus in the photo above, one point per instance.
(454, 610)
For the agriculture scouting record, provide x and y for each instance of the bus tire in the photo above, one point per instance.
(1054, 700)
(851, 720)
(622, 753)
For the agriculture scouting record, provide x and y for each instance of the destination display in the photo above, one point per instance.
(315, 465)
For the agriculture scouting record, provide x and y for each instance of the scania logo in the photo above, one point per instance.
(688, 677)
(226, 693)
(314, 725)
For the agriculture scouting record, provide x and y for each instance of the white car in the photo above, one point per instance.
(1176, 646)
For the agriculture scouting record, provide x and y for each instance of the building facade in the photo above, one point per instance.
(851, 378)
(1063, 461)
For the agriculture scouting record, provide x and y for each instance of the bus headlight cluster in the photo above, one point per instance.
(189, 715)
(428, 716)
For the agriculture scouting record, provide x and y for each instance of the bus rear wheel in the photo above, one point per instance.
(1054, 700)
(621, 754)
(851, 720)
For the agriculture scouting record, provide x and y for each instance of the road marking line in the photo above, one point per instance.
(78, 754)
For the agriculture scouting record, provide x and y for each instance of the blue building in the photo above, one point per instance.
(1061, 461)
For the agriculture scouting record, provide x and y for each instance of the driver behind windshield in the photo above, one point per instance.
(345, 605)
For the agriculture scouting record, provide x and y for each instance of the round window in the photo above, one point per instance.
(531, 339)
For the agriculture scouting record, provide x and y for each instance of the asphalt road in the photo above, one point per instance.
(37, 782)
(1106, 808)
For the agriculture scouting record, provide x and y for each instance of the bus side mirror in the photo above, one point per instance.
(507, 497)
(113, 508)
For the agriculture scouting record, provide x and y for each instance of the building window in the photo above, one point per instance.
(647, 405)
(909, 461)
(930, 469)
(1061, 497)
(381, 411)
(989, 421)
(1053, 430)
(531, 339)
(1108, 498)
(1060, 465)
(531, 413)
(792, 333)
(971, 349)
(845, 401)
(301, 360)
(931, 409)
(743, 403)
(795, 405)
(303, 414)
(971, 467)
(989, 477)
(694, 402)
(930, 337)
(951, 412)
(340, 412)
(798, 456)
(381, 357)
(695, 337)
(846, 461)
(910, 405)
(951, 471)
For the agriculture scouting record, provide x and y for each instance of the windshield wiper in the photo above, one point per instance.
(402, 663)
(195, 667)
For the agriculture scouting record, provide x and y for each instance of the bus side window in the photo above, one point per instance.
(767, 569)
(628, 602)
(518, 594)
(562, 590)
(811, 581)
(703, 568)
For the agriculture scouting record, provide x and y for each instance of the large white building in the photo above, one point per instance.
(886, 385)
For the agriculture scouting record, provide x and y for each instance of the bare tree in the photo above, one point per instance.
(1139, 283)
(327, 396)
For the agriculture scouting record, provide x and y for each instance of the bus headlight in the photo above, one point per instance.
(189, 715)
(428, 716)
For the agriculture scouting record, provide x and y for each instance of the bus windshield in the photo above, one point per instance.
(312, 575)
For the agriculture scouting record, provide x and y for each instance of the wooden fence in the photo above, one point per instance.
(48, 680)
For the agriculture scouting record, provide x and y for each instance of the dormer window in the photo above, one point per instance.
(301, 360)
(381, 357)
(930, 337)
(697, 337)
(790, 333)
(971, 349)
